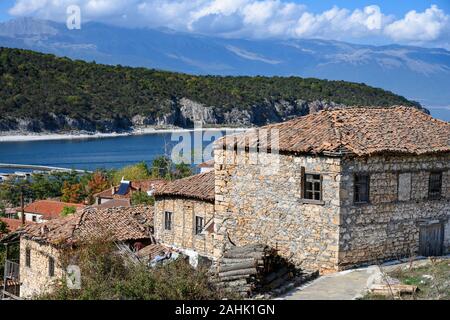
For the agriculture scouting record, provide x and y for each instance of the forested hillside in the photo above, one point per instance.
(40, 92)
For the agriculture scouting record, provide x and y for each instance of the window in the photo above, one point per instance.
(435, 185)
(198, 225)
(34, 218)
(361, 188)
(313, 187)
(51, 267)
(168, 220)
(28, 257)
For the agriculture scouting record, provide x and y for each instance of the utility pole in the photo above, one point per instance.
(22, 206)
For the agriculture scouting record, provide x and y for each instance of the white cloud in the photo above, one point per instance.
(429, 25)
(255, 19)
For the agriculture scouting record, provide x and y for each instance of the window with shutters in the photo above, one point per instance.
(168, 220)
(198, 225)
(435, 185)
(361, 188)
(51, 266)
(28, 257)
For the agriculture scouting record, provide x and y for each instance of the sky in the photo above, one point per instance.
(413, 22)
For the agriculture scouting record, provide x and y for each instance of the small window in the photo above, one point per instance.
(28, 257)
(198, 225)
(34, 218)
(435, 185)
(168, 220)
(361, 188)
(51, 267)
(313, 187)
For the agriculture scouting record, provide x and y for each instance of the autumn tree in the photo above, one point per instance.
(72, 193)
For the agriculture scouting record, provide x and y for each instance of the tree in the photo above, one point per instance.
(2, 209)
(68, 210)
(73, 193)
(3, 228)
(138, 171)
(161, 167)
(141, 197)
(97, 183)
(181, 170)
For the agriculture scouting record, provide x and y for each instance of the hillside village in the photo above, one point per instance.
(328, 191)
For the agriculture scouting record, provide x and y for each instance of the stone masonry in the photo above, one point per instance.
(182, 235)
(35, 279)
(262, 203)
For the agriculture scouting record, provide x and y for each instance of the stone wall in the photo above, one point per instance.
(388, 227)
(35, 279)
(260, 201)
(183, 235)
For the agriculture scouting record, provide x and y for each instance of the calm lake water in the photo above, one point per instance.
(92, 153)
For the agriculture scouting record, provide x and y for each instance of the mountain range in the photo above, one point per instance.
(420, 74)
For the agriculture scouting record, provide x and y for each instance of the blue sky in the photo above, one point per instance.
(414, 22)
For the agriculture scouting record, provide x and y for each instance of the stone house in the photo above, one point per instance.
(184, 215)
(337, 188)
(45, 247)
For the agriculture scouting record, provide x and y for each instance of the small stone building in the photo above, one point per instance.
(339, 188)
(45, 247)
(184, 215)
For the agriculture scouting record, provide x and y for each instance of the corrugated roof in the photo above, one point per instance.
(111, 224)
(360, 131)
(50, 209)
(200, 186)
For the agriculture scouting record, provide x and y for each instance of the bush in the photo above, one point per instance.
(107, 275)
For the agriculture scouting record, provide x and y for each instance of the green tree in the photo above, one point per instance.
(68, 210)
(161, 167)
(141, 197)
(3, 228)
(138, 171)
(181, 170)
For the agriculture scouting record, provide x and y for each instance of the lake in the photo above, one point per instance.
(93, 153)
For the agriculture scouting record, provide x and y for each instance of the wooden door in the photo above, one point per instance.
(431, 240)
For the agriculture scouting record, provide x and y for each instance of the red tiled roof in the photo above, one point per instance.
(200, 186)
(207, 164)
(13, 224)
(358, 130)
(50, 209)
(111, 224)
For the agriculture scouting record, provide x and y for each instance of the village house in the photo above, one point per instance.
(44, 247)
(342, 188)
(184, 215)
(121, 195)
(44, 210)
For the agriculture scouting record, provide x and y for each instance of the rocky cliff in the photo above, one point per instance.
(182, 113)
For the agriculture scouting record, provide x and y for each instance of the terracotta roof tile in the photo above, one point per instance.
(113, 224)
(50, 209)
(200, 186)
(358, 130)
(14, 224)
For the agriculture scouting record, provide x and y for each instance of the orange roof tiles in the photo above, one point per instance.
(112, 224)
(50, 209)
(359, 130)
(200, 186)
